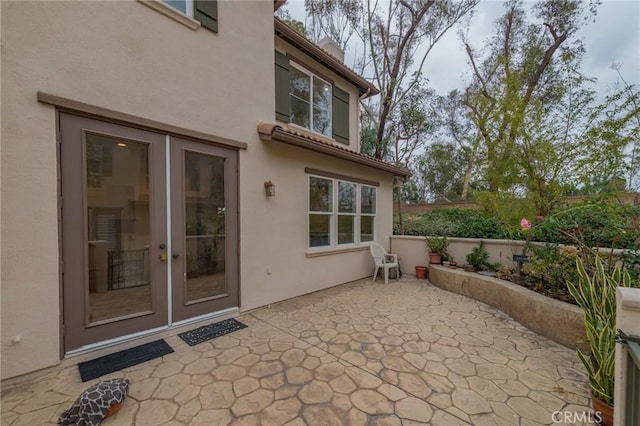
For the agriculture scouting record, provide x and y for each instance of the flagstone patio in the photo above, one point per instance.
(360, 353)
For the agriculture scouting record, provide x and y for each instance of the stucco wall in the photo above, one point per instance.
(279, 239)
(412, 251)
(537, 312)
(129, 58)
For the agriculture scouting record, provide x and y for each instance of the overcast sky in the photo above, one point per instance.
(615, 36)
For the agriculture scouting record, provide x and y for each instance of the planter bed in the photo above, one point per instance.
(559, 321)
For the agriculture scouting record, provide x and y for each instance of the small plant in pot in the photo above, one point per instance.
(452, 262)
(437, 248)
(595, 292)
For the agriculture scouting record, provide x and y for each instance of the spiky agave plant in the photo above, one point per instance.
(595, 293)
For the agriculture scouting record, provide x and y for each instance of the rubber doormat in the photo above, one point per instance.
(98, 367)
(211, 331)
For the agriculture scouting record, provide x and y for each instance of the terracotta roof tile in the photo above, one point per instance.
(306, 139)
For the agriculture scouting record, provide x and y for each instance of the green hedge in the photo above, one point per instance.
(462, 223)
(601, 224)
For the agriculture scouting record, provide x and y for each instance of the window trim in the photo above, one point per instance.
(334, 245)
(372, 215)
(312, 75)
(185, 19)
(354, 215)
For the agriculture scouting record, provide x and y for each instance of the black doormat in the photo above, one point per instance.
(211, 331)
(98, 367)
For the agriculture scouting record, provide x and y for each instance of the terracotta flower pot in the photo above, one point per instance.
(421, 272)
(602, 412)
(435, 258)
(453, 265)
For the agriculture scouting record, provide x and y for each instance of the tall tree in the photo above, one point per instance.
(459, 127)
(336, 19)
(438, 174)
(518, 78)
(398, 41)
(631, 102)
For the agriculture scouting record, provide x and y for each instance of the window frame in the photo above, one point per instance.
(371, 215)
(312, 76)
(198, 13)
(335, 213)
(190, 7)
(320, 212)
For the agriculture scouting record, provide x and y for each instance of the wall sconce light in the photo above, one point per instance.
(270, 189)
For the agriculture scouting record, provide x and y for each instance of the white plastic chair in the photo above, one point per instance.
(384, 260)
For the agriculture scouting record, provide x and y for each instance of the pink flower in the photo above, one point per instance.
(524, 223)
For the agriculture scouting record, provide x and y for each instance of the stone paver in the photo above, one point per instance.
(361, 353)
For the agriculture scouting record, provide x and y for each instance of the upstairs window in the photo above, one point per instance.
(204, 11)
(309, 101)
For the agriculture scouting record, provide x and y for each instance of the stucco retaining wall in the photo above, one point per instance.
(559, 321)
(412, 251)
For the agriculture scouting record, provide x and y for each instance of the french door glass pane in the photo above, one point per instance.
(117, 195)
(204, 226)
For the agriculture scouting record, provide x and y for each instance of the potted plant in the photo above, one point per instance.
(421, 272)
(595, 293)
(452, 263)
(437, 248)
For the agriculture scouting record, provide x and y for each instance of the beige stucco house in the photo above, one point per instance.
(167, 164)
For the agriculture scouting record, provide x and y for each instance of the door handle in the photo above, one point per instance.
(175, 255)
(163, 257)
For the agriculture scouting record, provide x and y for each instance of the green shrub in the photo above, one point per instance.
(551, 267)
(478, 258)
(463, 223)
(631, 262)
(599, 224)
(437, 245)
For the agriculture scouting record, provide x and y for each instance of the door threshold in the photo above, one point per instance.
(125, 342)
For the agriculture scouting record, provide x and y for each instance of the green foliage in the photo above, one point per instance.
(595, 292)
(462, 223)
(631, 263)
(549, 269)
(507, 209)
(438, 173)
(437, 245)
(478, 259)
(599, 223)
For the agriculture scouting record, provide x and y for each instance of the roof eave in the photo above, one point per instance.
(280, 135)
(277, 4)
(296, 39)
